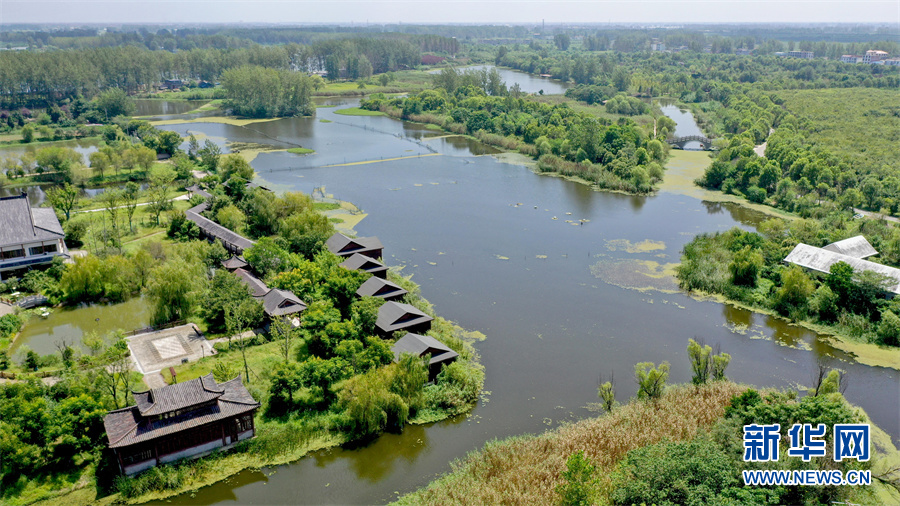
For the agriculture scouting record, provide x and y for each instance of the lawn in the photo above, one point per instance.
(356, 111)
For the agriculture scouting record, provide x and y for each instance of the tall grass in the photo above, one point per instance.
(527, 469)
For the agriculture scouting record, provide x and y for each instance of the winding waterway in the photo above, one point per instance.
(500, 249)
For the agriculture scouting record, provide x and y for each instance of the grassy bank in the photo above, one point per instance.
(746, 269)
(528, 469)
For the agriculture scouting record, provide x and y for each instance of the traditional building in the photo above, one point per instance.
(421, 346)
(233, 242)
(341, 245)
(282, 303)
(185, 420)
(381, 288)
(276, 303)
(28, 236)
(234, 263)
(394, 316)
(256, 285)
(360, 262)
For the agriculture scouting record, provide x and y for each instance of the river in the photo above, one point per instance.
(528, 83)
(500, 250)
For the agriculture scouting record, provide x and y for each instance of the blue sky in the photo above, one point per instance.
(437, 11)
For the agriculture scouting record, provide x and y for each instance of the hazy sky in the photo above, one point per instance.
(438, 11)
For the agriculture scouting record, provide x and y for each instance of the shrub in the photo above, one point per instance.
(651, 380)
(691, 472)
(579, 485)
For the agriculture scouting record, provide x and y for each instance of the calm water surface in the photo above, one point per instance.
(529, 83)
(154, 107)
(479, 237)
(71, 323)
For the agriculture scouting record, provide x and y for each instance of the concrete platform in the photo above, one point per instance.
(154, 351)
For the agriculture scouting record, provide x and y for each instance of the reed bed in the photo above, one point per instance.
(527, 469)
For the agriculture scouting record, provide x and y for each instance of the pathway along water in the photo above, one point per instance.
(492, 247)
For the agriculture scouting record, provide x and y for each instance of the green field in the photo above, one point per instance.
(859, 124)
(356, 111)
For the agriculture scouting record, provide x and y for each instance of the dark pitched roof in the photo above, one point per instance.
(195, 188)
(212, 228)
(361, 262)
(340, 244)
(20, 223)
(127, 426)
(377, 287)
(234, 262)
(396, 316)
(257, 287)
(178, 396)
(423, 345)
(252, 185)
(282, 302)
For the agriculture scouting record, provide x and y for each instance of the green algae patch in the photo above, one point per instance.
(868, 353)
(356, 111)
(301, 151)
(515, 159)
(644, 246)
(685, 167)
(636, 274)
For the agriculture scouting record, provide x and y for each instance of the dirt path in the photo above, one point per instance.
(876, 216)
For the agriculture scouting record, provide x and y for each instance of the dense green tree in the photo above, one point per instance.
(63, 198)
(651, 379)
(225, 289)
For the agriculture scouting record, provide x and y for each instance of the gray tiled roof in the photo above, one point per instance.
(20, 223)
(235, 263)
(282, 302)
(856, 247)
(178, 396)
(340, 244)
(423, 345)
(257, 287)
(127, 426)
(821, 260)
(377, 287)
(396, 316)
(361, 262)
(195, 188)
(212, 228)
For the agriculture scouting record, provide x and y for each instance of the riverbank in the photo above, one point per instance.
(866, 353)
(528, 469)
(285, 435)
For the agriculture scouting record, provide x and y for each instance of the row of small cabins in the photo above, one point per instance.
(197, 417)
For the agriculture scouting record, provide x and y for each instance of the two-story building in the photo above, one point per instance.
(185, 420)
(29, 236)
